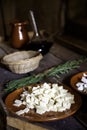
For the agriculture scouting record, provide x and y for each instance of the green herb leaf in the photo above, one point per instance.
(54, 71)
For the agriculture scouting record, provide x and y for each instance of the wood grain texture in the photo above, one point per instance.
(54, 57)
(23, 125)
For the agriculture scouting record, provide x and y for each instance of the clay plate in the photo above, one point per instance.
(48, 116)
(75, 79)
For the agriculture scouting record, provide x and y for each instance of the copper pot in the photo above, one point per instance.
(19, 35)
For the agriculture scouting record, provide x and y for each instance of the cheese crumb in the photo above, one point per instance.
(44, 98)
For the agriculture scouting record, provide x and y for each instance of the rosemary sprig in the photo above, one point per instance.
(54, 71)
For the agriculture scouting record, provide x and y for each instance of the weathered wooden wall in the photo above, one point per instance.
(48, 12)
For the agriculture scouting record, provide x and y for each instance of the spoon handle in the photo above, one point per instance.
(33, 23)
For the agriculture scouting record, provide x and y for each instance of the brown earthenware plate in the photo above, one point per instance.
(48, 116)
(75, 79)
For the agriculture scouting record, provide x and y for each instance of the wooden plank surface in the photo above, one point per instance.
(74, 43)
(23, 125)
(58, 54)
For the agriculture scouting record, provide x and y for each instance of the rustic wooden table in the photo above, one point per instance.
(58, 54)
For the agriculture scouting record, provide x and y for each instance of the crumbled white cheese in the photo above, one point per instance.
(84, 74)
(82, 85)
(26, 110)
(84, 79)
(45, 98)
(17, 103)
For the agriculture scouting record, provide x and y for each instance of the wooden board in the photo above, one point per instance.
(23, 125)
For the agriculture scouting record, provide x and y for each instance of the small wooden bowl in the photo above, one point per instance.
(75, 79)
(48, 116)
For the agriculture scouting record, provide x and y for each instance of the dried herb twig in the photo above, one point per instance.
(54, 71)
